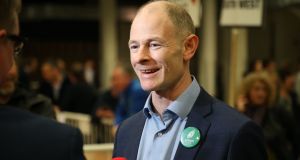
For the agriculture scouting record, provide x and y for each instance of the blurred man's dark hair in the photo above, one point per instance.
(8, 14)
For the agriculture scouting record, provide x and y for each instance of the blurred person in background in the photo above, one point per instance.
(61, 64)
(25, 135)
(255, 65)
(90, 75)
(107, 102)
(105, 108)
(132, 97)
(28, 74)
(80, 97)
(54, 84)
(287, 108)
(270, 68)
(15, 95)
(256, 100)
(287, 98)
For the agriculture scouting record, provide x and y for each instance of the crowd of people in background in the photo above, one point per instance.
(269, 96)
(53, 86)
(74, 87)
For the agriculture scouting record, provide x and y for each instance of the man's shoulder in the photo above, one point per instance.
(20, 117)
(226, 110)
(227, 115)
(137, 118)
(218, 113)
(131, 125)
(217, 109)
(37, 136)
(128, 135)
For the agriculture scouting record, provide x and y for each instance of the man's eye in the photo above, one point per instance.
(154, 45)
(133, 47)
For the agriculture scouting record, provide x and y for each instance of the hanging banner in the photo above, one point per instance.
(193, 7)
(242, 13)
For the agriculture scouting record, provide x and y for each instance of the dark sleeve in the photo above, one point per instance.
(115, 151)
(248, 144)
(128, 136)
(121, 111)
(77, 146)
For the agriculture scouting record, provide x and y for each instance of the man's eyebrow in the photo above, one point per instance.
(156, 39)
(131, 41)
(147, 40)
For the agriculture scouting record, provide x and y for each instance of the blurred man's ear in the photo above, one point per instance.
(2, 33)
(190, 46)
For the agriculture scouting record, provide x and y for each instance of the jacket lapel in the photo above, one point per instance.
(196, 118)
(135, 136)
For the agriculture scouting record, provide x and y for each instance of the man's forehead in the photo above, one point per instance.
(152, 15)
(153, 8)
(151, 29)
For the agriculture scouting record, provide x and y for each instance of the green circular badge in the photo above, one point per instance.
(190, 137)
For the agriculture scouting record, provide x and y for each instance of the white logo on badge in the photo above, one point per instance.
(191, 134)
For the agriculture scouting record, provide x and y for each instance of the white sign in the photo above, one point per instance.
(193, 7)
(242, 13)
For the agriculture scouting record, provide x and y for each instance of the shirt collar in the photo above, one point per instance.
(182, 105)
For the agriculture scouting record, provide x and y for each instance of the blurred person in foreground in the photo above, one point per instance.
(180, 119)
(25, 135)
(256, 100)
(13, 94)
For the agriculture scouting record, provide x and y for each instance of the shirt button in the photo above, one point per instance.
(159, 134)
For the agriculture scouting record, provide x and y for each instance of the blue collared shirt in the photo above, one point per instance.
(161, 136)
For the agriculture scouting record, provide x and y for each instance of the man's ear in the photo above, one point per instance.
(190, 46)
(2, 33)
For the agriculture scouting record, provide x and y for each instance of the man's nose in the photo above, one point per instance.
(143, 54)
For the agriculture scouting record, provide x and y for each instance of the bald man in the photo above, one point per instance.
(180, 120)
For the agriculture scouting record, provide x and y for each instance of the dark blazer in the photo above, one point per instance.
(226, 134)
(26, 136)
(47, 90)
(80, 97)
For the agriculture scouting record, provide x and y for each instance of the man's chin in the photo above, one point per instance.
(148, 87)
